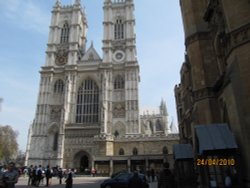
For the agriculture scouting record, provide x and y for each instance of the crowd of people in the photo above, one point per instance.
(38, 175)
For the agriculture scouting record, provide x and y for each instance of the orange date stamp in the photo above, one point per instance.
(215, 162)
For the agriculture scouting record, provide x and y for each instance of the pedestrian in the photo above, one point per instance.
(39, 173)
(60, 175)
(135, 181)
(69, 179)
(153, 175)
(10, 177)
(93, 172)
(1, 178)
(48, 175)
(228, 179)
(166, 177)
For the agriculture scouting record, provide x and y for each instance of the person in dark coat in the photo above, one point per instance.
(48, 175)
(166, 178)
(69, 179)
(135, 181)
(10, 177)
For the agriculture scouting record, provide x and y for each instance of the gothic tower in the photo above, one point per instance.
(66, 43)
(122, 70)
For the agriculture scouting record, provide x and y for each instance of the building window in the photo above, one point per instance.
(135, 151)
(158, 126)
(119, 82)
(65, 33)
(59, 86)
(55, 144)
(87, 109)
(121, 151)
(119, 29)
(165, 150)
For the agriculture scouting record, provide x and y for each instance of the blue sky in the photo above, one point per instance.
(23, 40)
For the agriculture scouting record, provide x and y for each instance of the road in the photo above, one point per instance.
(78, 182)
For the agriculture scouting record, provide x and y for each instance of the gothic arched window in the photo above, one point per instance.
(119, 82)
(65, 33)
(121, 151)
(55, 144)
(87, 109)
(59, 86)
(135, 151)
(158, 126)
(165, 150)
(119, 29)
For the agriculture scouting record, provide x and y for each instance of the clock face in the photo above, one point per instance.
(119, 56)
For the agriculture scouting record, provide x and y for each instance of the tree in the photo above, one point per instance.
(8, 143)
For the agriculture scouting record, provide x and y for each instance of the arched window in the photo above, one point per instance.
(87, 109)
(165, 150)
(135, 151)
(121, 151)
(65, 33)
(59, 86)
(119, 82)
(55, 144)
(158, 126)
(119, 29)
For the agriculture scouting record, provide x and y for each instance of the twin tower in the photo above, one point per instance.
(85, 100)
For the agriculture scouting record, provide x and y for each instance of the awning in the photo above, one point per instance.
(214, 137)
(183, 151)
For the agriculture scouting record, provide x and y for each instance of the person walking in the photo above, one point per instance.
(1, 178)
(10, 177)
(166, 178)
(60, 175)
(48, 175)
(69, 179)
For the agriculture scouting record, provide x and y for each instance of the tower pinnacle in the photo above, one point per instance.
(58, 3)
(77, 2)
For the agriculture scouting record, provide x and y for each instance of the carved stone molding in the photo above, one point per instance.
(197, 36)
(203, 93)
(237, 38)
(118, 110)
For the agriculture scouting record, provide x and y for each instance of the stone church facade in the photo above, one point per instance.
(87, 112)
(214, 86)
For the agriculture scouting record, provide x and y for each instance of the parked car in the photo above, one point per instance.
(122, 180)
(117, 173)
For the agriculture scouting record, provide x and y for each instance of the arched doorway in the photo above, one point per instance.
(82, 162)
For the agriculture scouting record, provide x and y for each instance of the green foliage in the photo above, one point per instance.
(8, 143)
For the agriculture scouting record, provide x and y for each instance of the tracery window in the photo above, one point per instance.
(65, 33)
(119, 82)
(135, 151)
(87, 109)
(119, 29)
(121, 151)
(59, 86)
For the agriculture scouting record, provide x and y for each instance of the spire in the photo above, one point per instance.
(58, 3)
(78, 2)
(92, 44)
(163, 108)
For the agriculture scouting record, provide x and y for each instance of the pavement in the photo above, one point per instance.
(78, 182)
